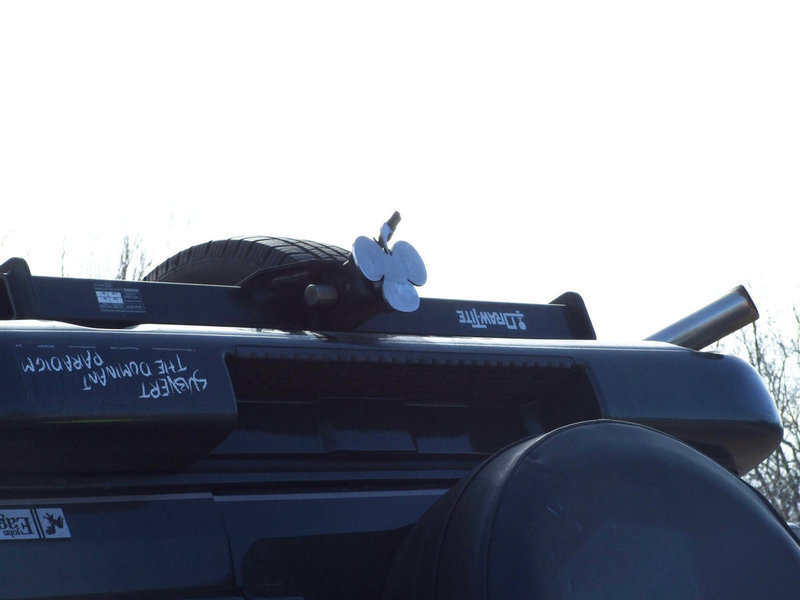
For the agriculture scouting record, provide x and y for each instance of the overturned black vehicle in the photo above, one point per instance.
(272, 418)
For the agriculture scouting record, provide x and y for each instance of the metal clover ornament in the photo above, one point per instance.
(401, 267)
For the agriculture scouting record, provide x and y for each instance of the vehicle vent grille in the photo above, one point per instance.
(328, 401)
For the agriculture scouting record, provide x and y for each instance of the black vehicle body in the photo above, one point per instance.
(187, 461)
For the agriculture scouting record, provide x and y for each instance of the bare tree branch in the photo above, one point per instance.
(776, 357)
(133, 262)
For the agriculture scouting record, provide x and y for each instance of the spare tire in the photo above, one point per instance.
(597, 510)
(227, 262)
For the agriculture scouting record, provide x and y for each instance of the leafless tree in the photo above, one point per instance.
(133, 261)
(776, 357)
(130, 261)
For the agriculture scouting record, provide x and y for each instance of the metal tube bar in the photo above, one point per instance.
(712, 322)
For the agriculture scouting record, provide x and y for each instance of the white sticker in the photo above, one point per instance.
(33, 524)
(109, 297)
(53, 523)
(118, 299)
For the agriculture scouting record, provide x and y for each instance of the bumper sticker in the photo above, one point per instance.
(33, 524)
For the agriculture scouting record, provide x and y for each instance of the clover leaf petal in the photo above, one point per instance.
(400, 270)
(407, 255)
(369, 258)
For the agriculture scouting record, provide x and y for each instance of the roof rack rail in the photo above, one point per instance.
(274, 299)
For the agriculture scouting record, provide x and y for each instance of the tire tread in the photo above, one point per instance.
(227, 262)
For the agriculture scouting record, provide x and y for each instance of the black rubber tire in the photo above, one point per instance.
(227, 262)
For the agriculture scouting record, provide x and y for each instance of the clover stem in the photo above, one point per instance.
(387, 231)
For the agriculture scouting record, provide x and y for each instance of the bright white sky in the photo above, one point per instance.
(642, 154)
